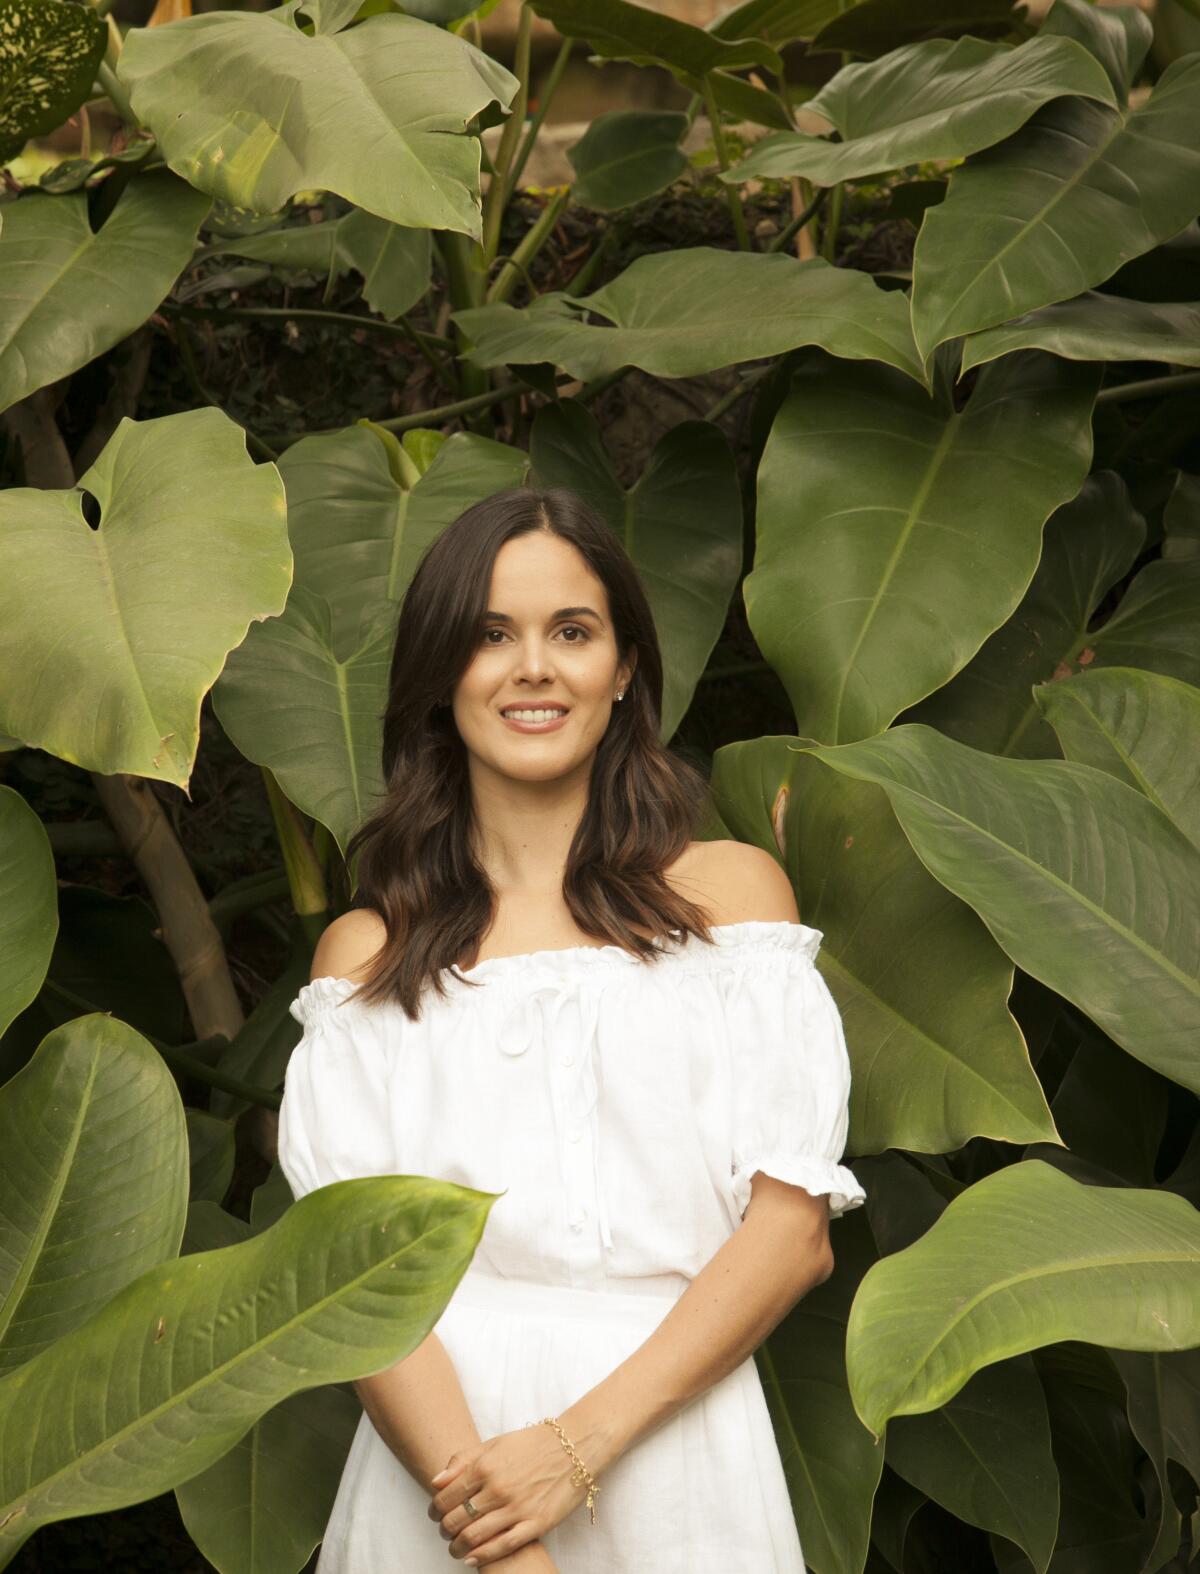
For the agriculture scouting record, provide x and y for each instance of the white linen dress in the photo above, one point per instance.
(622, 1107)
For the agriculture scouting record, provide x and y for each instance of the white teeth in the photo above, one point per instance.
(533, 715)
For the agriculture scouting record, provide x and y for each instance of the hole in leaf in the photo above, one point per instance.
(90, 508)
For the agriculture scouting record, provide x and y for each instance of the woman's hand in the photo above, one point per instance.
(521, 1484)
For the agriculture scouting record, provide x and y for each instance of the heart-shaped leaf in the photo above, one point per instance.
(936, 100)
(1141, 727)
(1119, 36)
(181, 504)
(1058, 207)
(172, 1371)
(70, 294)
(93, 1170)
(681, 313)
(28, 905)
(921, 986)
(681, 522)
(248, 108)
(1155, 625)
(1022, 1259)
(1088, 545)
(1086, 885)
(1096, 327)
(626, 156)
(874, 582)
(51, 53)
(620, 31)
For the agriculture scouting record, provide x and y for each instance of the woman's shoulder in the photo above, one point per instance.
(349, 946)
(734, 882)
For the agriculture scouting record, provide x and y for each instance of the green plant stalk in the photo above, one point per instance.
(306, 881)
(727, 401)
(531, 243)
(466, 281)
(786, 236)
(833, 220)
(401, 327)
(181, 1060)
(535, 125)
(732, 194)
(116, 94)
(496, 197)
(1149, 388)
(590, 268)
(247, 895)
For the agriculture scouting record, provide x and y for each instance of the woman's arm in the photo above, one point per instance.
(776, 1255)
(419, 1410)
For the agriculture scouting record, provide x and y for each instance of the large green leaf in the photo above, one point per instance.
(831, 1461)
(211, 1146)
(626, 156)
(1163, 1397)
(68, 294)
(921, 986)
(28, 905)
(93, 1171)
(874, 27)
(681, 313)
(171, 1372)
(304, 694)
(1085, 884)
(1023, 1258)
(620, 31)
(778, 21)
(1096, 327)
(1088, 545)
(1155, 625)
(1141, 727)
(248, 108)
(681, 523)
(51, 51)
(108, 618)
(936, 100)
(1119, 36)
(1181, 520)
(895, 533)
(1058, 207)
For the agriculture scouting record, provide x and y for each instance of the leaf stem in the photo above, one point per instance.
(718, 136)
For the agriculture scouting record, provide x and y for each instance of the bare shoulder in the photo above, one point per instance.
(735, 882)
(349, 945)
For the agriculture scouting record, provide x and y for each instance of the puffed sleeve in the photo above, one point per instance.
(791, 1070)
(334, 1118)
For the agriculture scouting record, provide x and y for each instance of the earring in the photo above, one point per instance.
(620, 694)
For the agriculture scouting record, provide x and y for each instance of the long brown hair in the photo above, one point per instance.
(416, 864)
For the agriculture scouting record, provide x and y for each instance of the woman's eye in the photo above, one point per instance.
(574, 628)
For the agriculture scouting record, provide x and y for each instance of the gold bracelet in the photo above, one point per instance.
(580, 1475)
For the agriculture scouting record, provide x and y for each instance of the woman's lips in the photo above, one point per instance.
(534, 726)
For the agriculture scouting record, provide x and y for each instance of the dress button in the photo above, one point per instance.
(567, 1060)
(577, 1219)
(575, 1135)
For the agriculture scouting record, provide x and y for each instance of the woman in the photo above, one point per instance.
(550, 991)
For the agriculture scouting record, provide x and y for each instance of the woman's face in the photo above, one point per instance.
(546, 645)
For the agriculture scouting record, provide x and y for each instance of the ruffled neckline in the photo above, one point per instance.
(749, 935)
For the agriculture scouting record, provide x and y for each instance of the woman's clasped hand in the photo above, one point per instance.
(521, 1484)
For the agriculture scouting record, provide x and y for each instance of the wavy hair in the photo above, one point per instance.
(417, 867)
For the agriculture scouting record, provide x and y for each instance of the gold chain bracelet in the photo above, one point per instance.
(580, 1475)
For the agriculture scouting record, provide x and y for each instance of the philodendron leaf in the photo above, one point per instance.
(172, 1371)
(106, 615)
(626, 156)
(1024, 1258)
(935, 100)
(1087, 546)
(93, 1170)
(248, 108)
(71, 293)
(873, 27)
(1163, 1399)
(831, 1461)
(266, 1502)
(51, 52)
(1119, 36)
(620, 31)
(304, 694)
(1155, 625)
(28, 905)
(1096, 327)
(921, 985)
(308, 705)
(211, 1145)
(681, 313)
(1057, 208)
(1141, 727)
(681, 522)
(1084, 883)
(896, 533)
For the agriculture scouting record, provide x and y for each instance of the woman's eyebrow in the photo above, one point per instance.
(563, 612)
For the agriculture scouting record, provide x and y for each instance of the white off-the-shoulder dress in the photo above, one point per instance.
(622, 1107)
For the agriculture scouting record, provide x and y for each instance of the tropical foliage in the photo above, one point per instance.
(962, 520)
